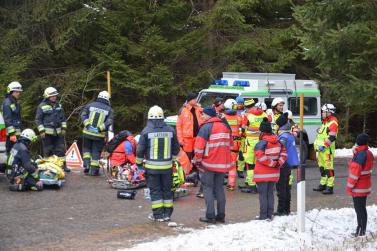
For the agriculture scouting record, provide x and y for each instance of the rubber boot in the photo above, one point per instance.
(15, 187)
(329, 190)
(94, 171)
(357, 232)
(320, 188)
(249, 189)
(66, 169)
(86, 170)
(240, 174)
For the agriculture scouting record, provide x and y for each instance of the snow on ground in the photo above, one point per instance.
(341, 153)
(326, 229)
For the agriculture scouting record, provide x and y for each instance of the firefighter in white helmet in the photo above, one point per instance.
(324, 144)
(97, 119)
(12, 114)
(52, 125)
(235, 122)
(275, 112)
(24, 173)
(158, 145)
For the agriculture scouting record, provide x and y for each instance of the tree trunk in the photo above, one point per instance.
(364, 122)
(347, 122)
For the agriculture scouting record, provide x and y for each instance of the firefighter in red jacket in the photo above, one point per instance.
(270, 156)
(213, 159)
(359, 183)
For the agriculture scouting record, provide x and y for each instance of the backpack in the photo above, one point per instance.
(114, 142)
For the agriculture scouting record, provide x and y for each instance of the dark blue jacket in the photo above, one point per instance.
(288, 141)
(50, 118)
(97, 115)
(158, 145)
(12, 115)
(20, 155)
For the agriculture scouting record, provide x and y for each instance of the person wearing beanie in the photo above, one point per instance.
(251, 123)
(359, 184)
(213, 159)
(270, 156)
(188, 123)
(283, 187)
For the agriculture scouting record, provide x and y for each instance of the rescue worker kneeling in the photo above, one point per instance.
(158, 145)
(24, 174)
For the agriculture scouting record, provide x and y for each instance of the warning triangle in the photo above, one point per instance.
(73, 156)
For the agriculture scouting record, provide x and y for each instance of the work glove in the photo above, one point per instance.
(321, 148)
(39, 184)
(92, 129)
(63, 132)
(43, 135)
(13, 138)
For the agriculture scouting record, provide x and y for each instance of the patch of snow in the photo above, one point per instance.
(326, 229)
(347, 152)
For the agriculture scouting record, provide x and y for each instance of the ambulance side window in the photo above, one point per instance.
(310, 106)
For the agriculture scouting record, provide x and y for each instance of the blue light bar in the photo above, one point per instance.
(244, 83)
(220, 82)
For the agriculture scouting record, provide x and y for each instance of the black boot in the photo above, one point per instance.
(328, 190)
(320, 188)
(248, 189)
(357, 232)
(66, 169)
(240, 174)
(86, 170)
(93, 171)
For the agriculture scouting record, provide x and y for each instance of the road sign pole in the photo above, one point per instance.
(301, 175)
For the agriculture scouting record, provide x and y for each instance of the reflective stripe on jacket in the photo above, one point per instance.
(213, 146)
(98, 115)
(12, 115)
(50, 118)
(328, 128)
(158, 145)
(185, 122)
(20, 155)
(252, 121)
(235, 122)
(360, 171)
(268, 152)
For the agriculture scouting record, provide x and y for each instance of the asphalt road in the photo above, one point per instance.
(86, 215)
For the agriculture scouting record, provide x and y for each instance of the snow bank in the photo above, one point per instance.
(342, 153)
(325, 230)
